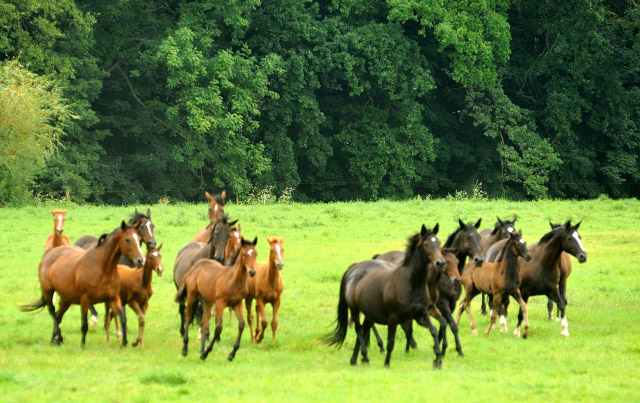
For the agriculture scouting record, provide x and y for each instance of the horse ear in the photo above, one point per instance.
(232, 223)
(578, 224)
(137, 213)
(520, 233)
(499, 220)
(281, 238)
(478, 223)
(461, 223)
(551, 224)
(255, 241)
(423, 230)
(208, 196)
(515, 217)
(436, 228)
(51, 211)
(223, 195)
(567, 224)
(123, 226)
(149, 212)
(239, 227)
(269, 239)
(65, 212)
(159, 247)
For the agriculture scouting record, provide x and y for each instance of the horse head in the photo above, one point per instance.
(234, 243)
(276, 251)
(467, 241)
(248, 255)
(216, 205)
(154, 259)
(430, 247)
(572, 241)
(145, 229)
(220, 234)
(505, 227)
(451, 268)
(129, 243)
(58, 220)
(519, 245)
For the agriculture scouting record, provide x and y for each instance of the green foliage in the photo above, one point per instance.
(32, 118)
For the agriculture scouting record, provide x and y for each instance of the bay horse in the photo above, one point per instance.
(500, 280)
(219, 285)
(216, 209)
(461, 244)
(266, 288)
(541, 275)
(145, 231)
(216, 249)
(58, 238)
(565, 271)
(135, 291)
(85, 277)
(389, 295)
(488, 237)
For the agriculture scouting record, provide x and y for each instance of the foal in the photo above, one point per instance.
(135, 291)
(499, 280)
(223, 286)
(266, 287)
(57, 238)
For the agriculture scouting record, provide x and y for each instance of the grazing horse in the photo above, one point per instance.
(499, 279)
(462, 243)
(266, 287)
(541, 275)
(221, 285)
(135, 291)
(389, 295)
(221, 236)
(145, 231)
(57, 238)
(85, 277)
(488, 237)
(216, 209)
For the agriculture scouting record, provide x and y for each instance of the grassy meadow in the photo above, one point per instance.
(599, 362)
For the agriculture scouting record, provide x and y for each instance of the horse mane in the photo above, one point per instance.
(452, 237)
(219, 200)
(547, 237)
(138, 216)
(412, 242)
(102, 238)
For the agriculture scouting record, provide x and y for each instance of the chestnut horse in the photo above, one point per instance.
(500, 280)
(221, 285)
(58, 238)
(216, 209)
(389, 295)
(266, 287)
(85, 277)
(135, 291)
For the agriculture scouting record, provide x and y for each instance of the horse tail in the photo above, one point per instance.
(34, 306)
(342, 320)
(181, 294)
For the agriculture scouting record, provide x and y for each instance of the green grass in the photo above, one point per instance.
(598, 362)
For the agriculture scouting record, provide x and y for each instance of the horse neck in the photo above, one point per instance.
(510, 264)
(551, 252)
(110, 249)
(239, 272)
(272, 270)
(147, 274)
(415, 269)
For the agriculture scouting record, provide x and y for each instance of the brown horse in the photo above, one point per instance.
(216, 209)
(219, 240)
(541, 275)
(85, 277)
(135, 291)
(266, 287)
(565, 271)
(221, 285)
(58, 238)
(500, 280)
(389, 295)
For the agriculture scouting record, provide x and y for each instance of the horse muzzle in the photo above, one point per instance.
(139, 262)
(279, 265)
(440, 263)
(252, 272)
(159, 271)
(59, 231)
(478, 260)
(455, 280)
(582, 257)
(527, 257)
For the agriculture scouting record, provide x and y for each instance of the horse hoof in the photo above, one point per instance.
(474, 332)
(565, 333)
(184, 352)
(230, 357)
(353, 362)
(524, 336)
(516, 332)
(460, 354)
(364, 361)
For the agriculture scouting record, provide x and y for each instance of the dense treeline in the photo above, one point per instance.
(341, 99)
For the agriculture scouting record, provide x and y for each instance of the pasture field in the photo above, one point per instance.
(599, 362)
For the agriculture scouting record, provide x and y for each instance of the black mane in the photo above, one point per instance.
(138, 216)
(453, 236)
(547, 237)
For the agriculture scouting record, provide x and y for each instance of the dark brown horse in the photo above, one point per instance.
(58, 238)
(135, 291)
(541, 275)
(389, 295)
(266, 288)
(500, 280)
(565, 271)
(216, 209)
(214, 283)
(220, 238)
(85, 277)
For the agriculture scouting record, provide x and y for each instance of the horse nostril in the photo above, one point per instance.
(479, 261)
(440, 264)
(279, 266)
(582, 258)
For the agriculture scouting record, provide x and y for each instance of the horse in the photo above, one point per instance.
(145, 231)
(85, 277)
(221, 285)
(500, 280)
(266, 287)
(135, 291)
(389, 295)
(58, 238)
(541, 275)
(216, 209)
(488, 237)
(565, 271)
(462, 243)
(221, 236)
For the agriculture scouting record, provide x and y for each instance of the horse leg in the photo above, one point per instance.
(483, 307)
(56, 338)
(392, 324)
(94, 315)
(445, 309)
(261, 319)
(378, 338)
(247, 304)
(360, 341)
(220, 306)
(366, 331)
(562, 288)
(204, 324)
(141, 321)
(188, 317)
(275, 306)
(464, 306)
(107, 320)
(84, 310)
(181, 309)
(407, 327)
(557, 298)
(426, 322)
(117, 309)
(494, 313)
(123, 326)
(520, 316)
(442, 331)
(550, 308)
(523, 309)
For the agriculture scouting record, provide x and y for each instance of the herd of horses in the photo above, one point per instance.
(219, 270)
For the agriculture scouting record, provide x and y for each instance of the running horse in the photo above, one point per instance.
(85, 277)
(58, 238)
(216, 209)
(389, 295)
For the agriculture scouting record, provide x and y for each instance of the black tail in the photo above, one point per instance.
(34, 306)
(181, 295)
(342, 321)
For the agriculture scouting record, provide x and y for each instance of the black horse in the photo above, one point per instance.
(389, 295)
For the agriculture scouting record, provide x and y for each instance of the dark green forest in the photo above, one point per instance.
(338, 100)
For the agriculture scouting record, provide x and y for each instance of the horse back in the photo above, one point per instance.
(204, 235)
(86, 242)
(203, 276)
(57, 268)
(536, 276)
(186, 257)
